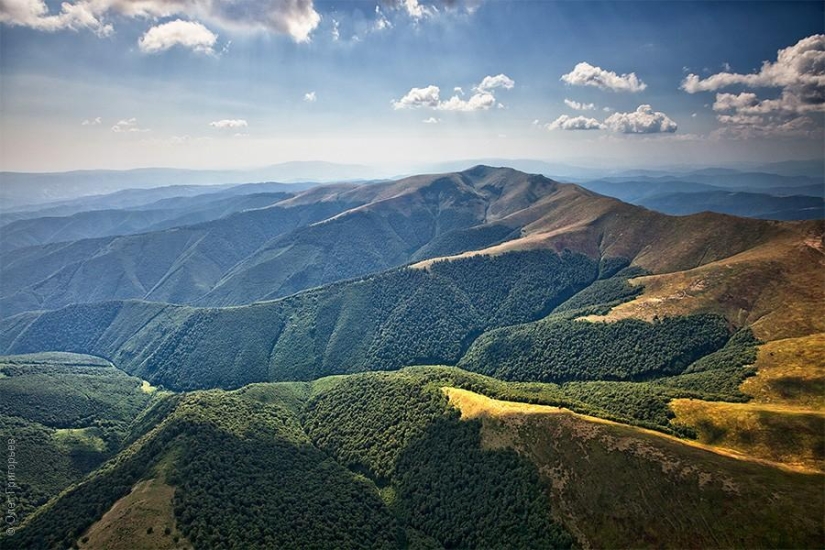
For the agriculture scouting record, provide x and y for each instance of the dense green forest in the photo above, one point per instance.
(67, 413)
(386, 321)
(367, 460)
(218, 449)
(560, 350)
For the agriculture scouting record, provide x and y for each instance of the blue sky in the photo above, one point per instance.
(211, 83)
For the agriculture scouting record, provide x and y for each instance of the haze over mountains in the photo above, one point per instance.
(235, 246)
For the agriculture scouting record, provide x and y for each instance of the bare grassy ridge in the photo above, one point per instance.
(616, 486)
(785, 421)
(776, 288)
(790, 372)
(138, 521)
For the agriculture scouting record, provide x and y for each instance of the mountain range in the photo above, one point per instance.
(472, 359)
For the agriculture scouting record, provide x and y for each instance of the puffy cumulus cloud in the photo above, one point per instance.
(431, 120)
(96, 121)
(565, 122)
(498, 81)
(575, 105)
(296, 18)
(585, 74)
(229, 123)
(128, 125)
(477, 102)
(430, 97)
(419, 97)
(310, 97)
(187, 34)
(801, 66)
(799, 74)
(644, 120)
(35, 14)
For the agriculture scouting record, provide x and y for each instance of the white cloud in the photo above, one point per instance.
(35, 14)
(477, 102)
(799, 73)
(579, 106)
(296, 18)
(418, 11)
(744, 127)
(644, 120)
(585, 74)
(129, 125)
(419, 97)
(606, 109)
(801, 66)
(310, 97)
(229, 123)
(96, 121)
(536, 122)
(430, 97)
(565, 122)
(381, 22)
(187, 34)
(431, 120)
(498, 81)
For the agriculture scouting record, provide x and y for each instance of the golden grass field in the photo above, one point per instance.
(785, 420)
(618, 486)
(127, 524)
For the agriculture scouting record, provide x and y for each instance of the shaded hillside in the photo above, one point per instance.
(616, 486)
(775, 287)
(309, 501)
(402, 317)
(171, 265)
(339, 232)
(751, 205)
(105, 223)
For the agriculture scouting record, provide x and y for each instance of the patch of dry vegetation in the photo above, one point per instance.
(142, 520)
(775, 288)
(785, 434)
(616, 486)
(790, 372)
(785, 421)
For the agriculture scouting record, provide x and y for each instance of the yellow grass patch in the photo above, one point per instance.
(776, 288)
(476, 406)
(128, 522)
(790, 372)
(618, 486)
(780, 433)
(785, 421)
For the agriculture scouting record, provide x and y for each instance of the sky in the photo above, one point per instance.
(118, 84)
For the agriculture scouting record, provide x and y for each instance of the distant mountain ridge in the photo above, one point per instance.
(21, 189)
(337, 232)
